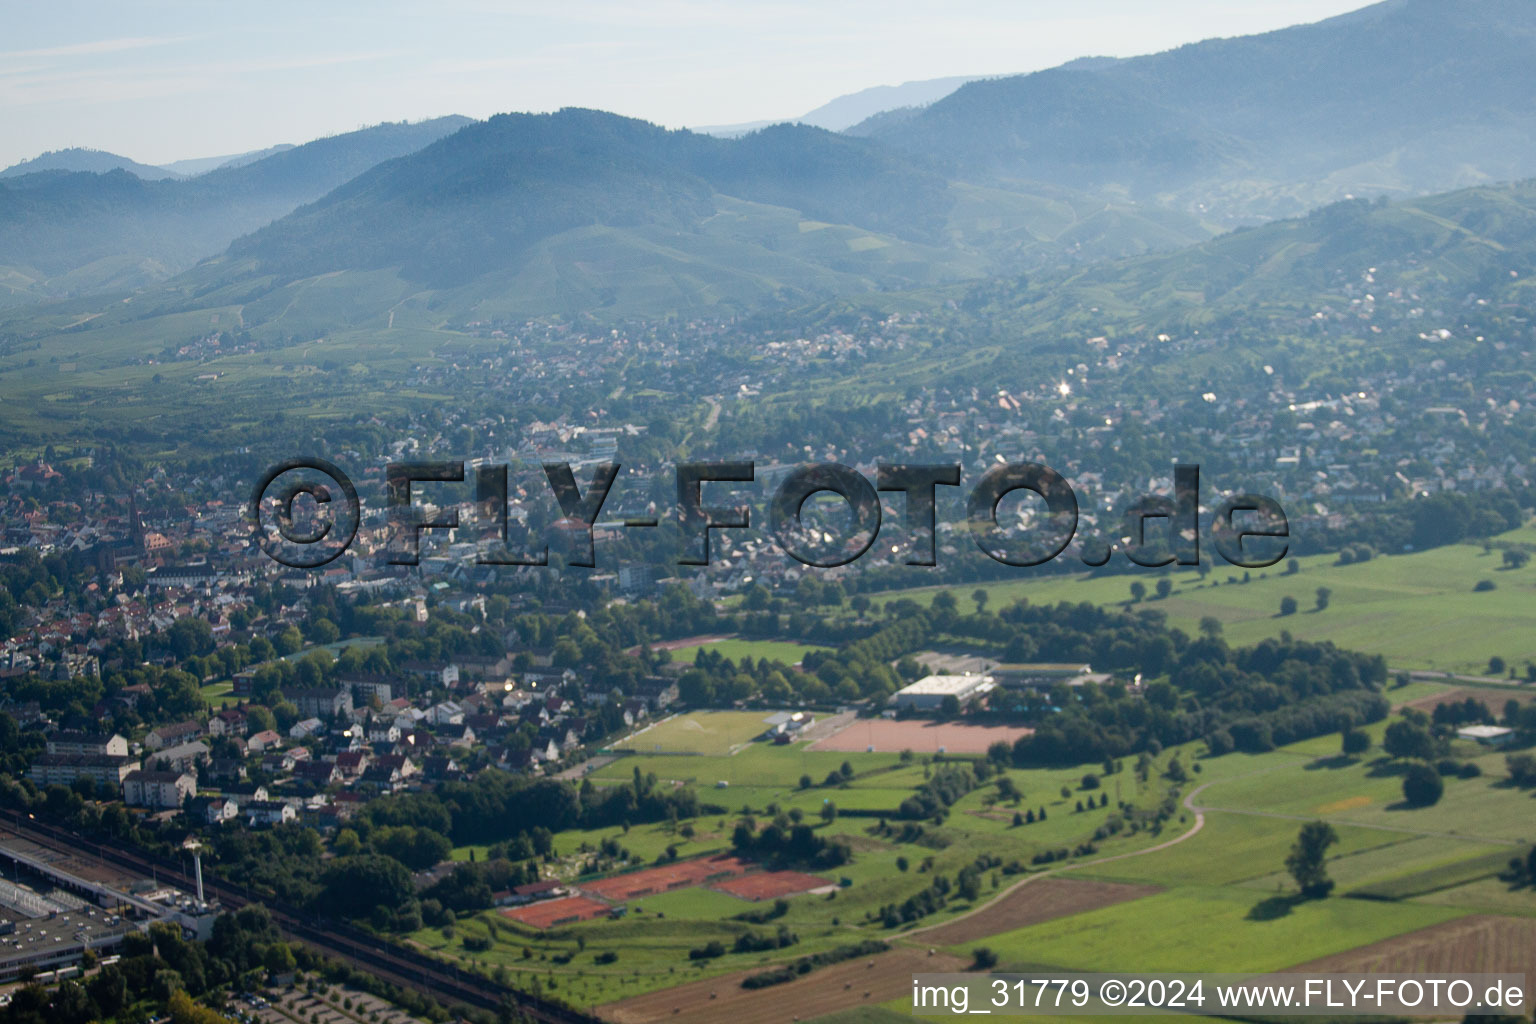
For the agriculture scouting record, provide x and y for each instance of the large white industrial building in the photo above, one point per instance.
(928, 693)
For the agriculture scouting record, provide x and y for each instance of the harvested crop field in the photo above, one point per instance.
(1032, 903)
(861, 982)
(679, 875)
(1492, 696)
(1480, 944)
(564, 910)
(919, 736)
(767, 885)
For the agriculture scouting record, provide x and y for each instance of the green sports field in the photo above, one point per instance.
(716, 733)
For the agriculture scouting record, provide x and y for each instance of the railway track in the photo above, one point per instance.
(402, 966)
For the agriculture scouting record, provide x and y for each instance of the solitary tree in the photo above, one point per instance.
(1210, 627)
(1422, 786)
(1306, 861)
(1164, 587)
(1138, 590)
(1323, 594)
(1515, 558)
(1354, 741)
(1287, 606)
(1407, 739)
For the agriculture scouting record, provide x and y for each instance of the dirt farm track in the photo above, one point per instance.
(1043, 900)
(861, 982)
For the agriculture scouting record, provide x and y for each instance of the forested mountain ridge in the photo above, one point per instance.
(64, 232)
(1403, 96)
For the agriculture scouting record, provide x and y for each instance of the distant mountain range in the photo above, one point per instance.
(847, 111)
(99, 161)
(65, 232)
(202, 165)
(93, 161)
(584, 211)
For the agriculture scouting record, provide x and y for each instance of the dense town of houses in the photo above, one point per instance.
(1392, 431)
(352, 741)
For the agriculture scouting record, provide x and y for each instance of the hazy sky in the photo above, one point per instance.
(161, 80)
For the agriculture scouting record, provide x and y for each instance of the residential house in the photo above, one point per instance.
(263, 741)
(268, 812)
(184, 757)
(441, 768)
(365, 689)
(158, 790)
(383, 730)
(170, 735)
(224, 770)
(434, 673)
(322, 701)
(228, 722)
(483, 724)
(131, 695)
(216, 810)
(351, 763)
(658, 691)
(317, 773)
(87, 743)
(63, 769)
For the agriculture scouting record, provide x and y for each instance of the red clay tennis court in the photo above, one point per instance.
(565, 910)
(768, 885)
(665, 878)
(920, 736)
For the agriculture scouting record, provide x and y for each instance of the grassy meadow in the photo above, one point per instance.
(1419, 610)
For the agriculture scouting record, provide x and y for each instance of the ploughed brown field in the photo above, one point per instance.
(919, 736)
(862, 982)
(1491, 696)
(1479, 944)
(1031, 903)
